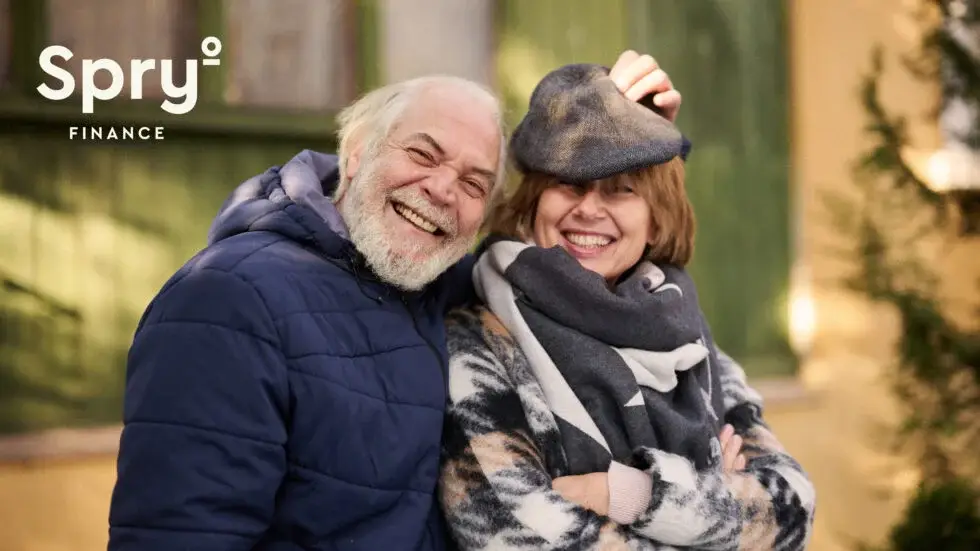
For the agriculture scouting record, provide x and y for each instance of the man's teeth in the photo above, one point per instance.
(588, 240)
(415, 218)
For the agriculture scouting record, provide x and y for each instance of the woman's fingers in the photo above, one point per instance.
(669, 102)
(726, 433)
(638, 76)
(740, 462)
(651, 83)
(623, 62)
(732, 452)
(590, 491)
(626, 75)
(731, 448)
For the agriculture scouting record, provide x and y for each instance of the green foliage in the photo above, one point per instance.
(940, 516)
(937, 373)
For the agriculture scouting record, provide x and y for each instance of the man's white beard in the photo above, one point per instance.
(397, 258)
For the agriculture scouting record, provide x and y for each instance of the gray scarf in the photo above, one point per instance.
(620, 369)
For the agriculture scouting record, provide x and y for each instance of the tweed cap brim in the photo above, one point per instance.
(579, 127)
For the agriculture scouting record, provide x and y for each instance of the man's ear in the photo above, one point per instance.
(353, 160)
(351, 167)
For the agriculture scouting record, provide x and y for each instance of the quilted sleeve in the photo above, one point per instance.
(202, 450)
(768, 506)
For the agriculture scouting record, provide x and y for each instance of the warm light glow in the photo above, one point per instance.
(957, 9)
(939, 171)
(802, 320)
(953, 168)
(947, 169)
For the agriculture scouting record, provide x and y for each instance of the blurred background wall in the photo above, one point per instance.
(90, 230)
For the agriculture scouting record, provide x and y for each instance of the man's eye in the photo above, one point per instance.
(474, 188)
(421, 156)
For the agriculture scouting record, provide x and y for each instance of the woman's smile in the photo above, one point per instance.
(582, 245)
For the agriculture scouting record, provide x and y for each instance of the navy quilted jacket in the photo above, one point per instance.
(277, 396)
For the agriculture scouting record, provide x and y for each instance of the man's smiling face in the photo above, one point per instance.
(417, 201)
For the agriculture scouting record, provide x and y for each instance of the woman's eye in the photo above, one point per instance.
(621, 189)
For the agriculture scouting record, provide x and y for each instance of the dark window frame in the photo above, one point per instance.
(21, 103)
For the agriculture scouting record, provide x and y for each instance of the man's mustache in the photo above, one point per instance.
(441, 217)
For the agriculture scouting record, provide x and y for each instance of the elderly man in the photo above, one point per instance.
(286, 387)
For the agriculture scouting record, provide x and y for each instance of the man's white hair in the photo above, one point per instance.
(370, 119)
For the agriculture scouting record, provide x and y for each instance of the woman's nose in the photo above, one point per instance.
(590, 204)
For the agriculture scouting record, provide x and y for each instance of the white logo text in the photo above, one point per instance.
(90, 90)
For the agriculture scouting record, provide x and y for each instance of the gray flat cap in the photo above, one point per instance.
(579, 127)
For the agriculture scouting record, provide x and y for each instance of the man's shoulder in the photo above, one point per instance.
(455, 285)
(240, 254)
(261, 264)
(265, 258)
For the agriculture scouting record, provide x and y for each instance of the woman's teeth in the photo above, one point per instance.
(588, 239)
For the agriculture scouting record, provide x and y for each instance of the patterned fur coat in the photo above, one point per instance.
(502, 450)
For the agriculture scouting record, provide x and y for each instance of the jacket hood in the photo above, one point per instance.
(292, 200)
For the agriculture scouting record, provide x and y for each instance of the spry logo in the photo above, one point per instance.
(180, 99)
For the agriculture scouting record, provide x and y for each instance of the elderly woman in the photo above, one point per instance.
(587, 396)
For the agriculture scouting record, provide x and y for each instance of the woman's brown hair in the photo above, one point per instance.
(661, 186)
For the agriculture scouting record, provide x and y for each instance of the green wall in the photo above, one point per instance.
(537, 37)
(89, 231)
(88, 234)
(730, 60)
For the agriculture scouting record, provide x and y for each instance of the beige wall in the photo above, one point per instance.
(56, 506)
(838, 435)
(420, 37)
(841, 436)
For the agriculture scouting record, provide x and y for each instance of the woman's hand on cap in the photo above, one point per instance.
(638, 76)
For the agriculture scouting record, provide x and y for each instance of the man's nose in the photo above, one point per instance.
(439, 187)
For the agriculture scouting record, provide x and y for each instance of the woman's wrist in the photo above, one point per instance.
(630, 491)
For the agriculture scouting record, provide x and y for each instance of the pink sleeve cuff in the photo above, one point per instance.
(630, 491)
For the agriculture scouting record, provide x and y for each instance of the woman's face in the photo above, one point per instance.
(606, 226)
